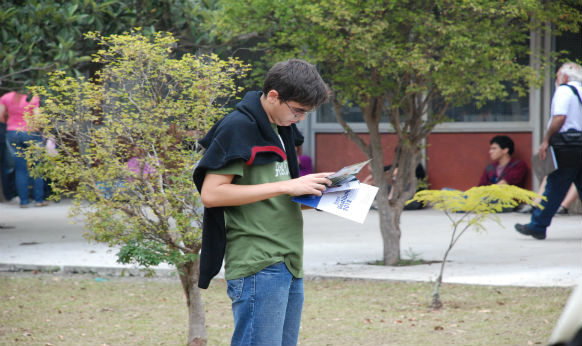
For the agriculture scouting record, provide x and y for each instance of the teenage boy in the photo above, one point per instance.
(246, 179)
(504, 169)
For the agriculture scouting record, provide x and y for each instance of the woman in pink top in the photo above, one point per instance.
(13, 107)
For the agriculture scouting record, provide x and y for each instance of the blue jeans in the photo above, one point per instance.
(6, 166)
(18, 142)
(266, 307)
(557, 185)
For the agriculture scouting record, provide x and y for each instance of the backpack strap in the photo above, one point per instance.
(489, 168)
(511, 164)
(574, 90)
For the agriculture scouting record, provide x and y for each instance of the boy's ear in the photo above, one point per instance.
(273, 95)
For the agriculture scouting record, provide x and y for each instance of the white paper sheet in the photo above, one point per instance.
(353, 204)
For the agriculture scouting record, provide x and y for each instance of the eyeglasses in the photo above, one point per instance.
(297, 112)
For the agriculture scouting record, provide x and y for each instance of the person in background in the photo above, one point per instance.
(6, 163)
(305, 165)
(564, 206)
(566, 116)
(13, 106)
(246, 179)
(420, 175)
(504, 169)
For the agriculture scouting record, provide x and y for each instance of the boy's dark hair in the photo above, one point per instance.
(503, 142)
(297, 80)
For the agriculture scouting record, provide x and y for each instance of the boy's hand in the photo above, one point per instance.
(311, 184)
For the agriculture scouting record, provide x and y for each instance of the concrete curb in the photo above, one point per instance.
(101, 271)
(143, 273)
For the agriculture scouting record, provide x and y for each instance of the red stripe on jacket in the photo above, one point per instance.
(257, 150)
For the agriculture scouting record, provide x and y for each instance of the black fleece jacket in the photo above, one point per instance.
(243, 134)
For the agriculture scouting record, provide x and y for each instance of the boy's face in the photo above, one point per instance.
(284, 113)
(496, 153)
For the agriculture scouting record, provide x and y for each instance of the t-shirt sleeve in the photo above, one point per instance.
(562, 98)
(235, 167)
(5, 99)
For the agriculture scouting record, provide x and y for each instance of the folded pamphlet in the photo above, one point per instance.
(347, 197)
(346, 174)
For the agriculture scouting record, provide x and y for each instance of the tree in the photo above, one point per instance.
(126, 150)
(409, 61)
(39, 36)
(475, 206)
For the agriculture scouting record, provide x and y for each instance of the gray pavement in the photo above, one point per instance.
(45, 238)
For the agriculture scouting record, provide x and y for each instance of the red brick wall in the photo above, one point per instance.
(455, 160)
(335, 150)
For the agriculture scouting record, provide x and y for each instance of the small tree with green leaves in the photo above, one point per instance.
(467, 210)
(126, 150)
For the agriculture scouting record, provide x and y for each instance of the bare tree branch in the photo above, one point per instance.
(7, 76)
(349, 131)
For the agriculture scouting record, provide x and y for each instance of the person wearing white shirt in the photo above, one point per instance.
(566, 116)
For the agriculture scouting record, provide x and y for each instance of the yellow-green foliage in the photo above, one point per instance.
(479, 200)
(477, 203)
(145, 104)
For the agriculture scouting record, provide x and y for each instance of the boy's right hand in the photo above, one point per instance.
(311, 184)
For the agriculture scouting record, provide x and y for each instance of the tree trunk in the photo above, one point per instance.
(436, 302)
(188, 273)
(389, 228)
(436, 296)
(403, 188)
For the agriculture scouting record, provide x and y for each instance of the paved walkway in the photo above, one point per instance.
(46, 238)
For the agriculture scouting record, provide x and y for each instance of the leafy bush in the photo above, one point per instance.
(126, 145)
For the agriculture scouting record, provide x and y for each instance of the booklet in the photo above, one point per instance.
(347, 197)
(346, 174)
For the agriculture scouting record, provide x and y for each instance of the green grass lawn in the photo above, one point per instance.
(58, 309)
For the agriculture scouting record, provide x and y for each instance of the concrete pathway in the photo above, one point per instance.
(41, 238)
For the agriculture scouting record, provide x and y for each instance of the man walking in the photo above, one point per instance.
(565, 135)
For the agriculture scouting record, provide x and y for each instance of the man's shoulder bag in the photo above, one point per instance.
(570, 138)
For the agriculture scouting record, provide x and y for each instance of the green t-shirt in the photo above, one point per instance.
(262, 233)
